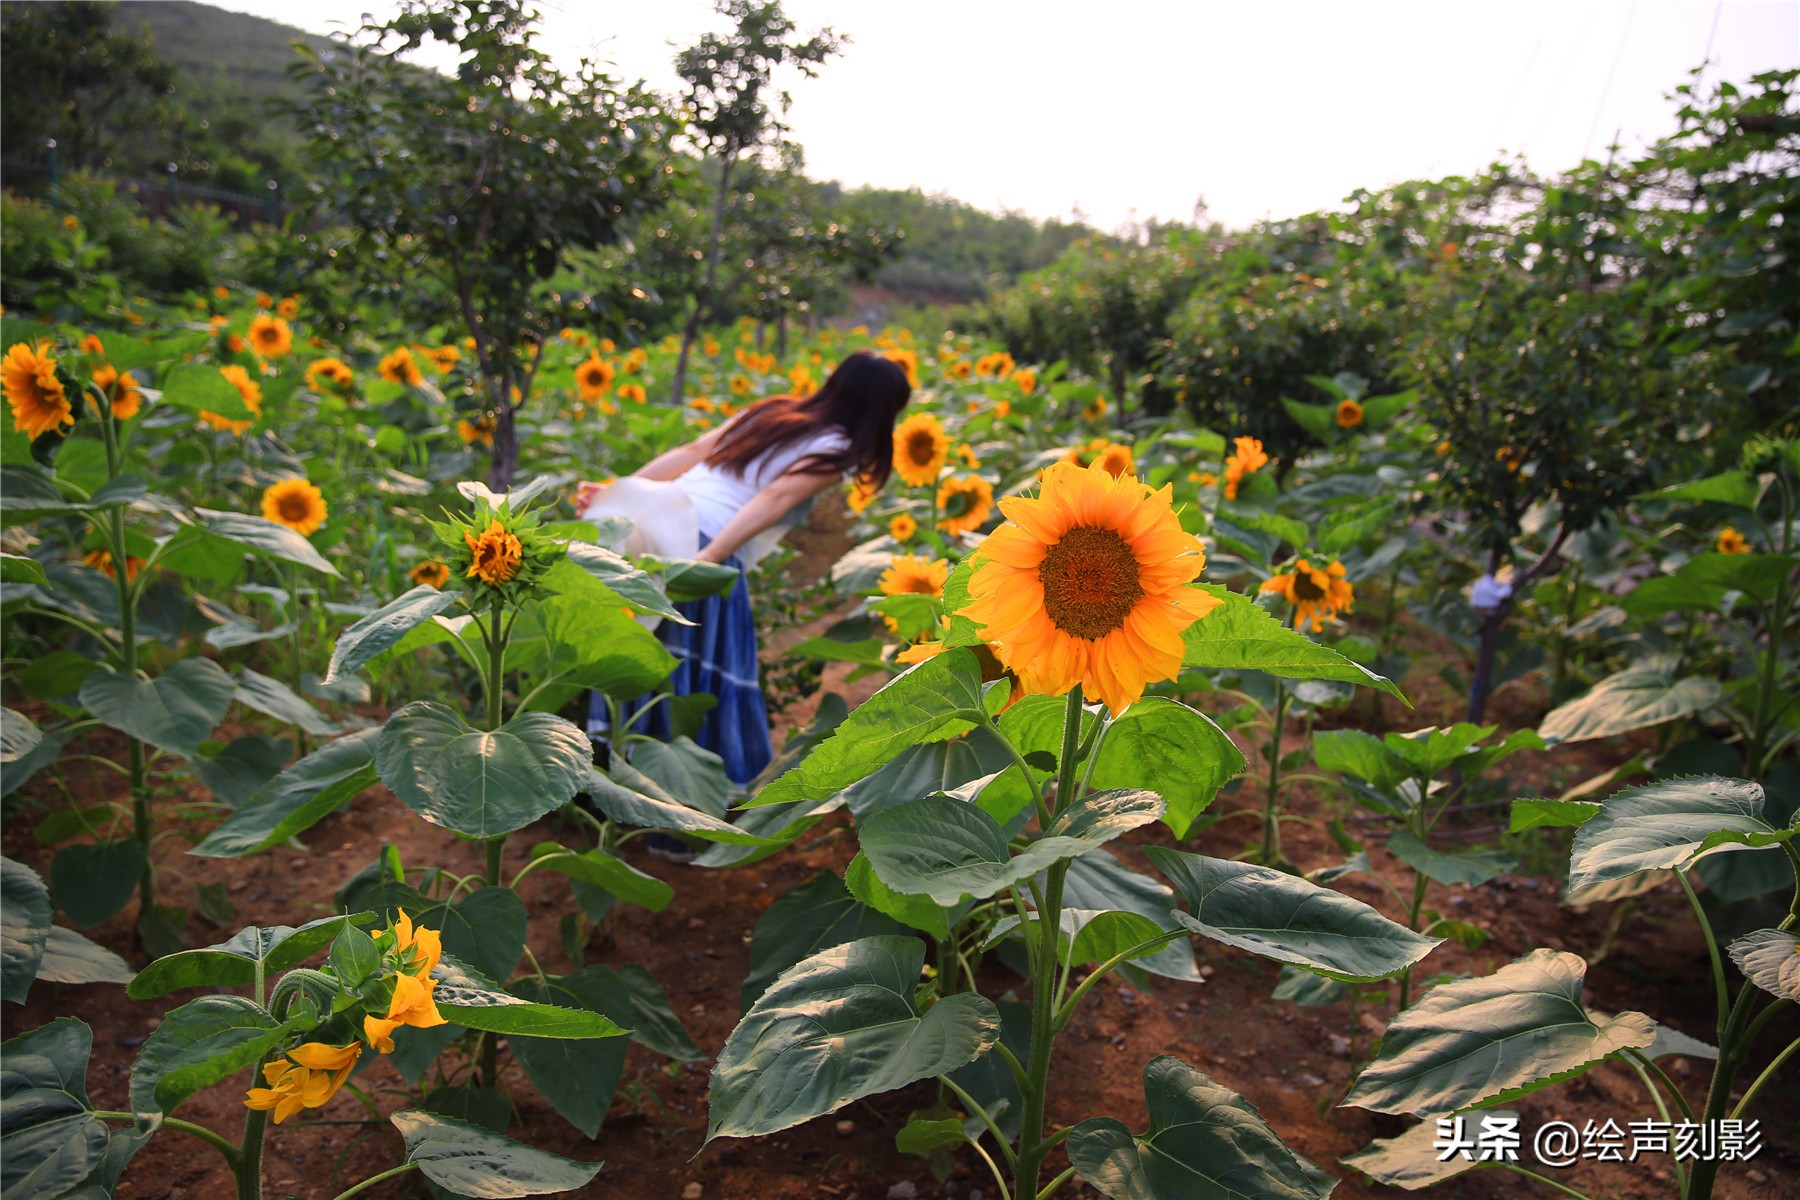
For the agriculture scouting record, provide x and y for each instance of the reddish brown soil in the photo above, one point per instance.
(1290, 1061)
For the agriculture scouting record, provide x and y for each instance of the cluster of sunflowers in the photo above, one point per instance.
(399, 986)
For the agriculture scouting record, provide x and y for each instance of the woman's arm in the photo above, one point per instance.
(765, 508)
(672, 464)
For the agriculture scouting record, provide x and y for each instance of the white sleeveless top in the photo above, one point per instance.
(717, 495)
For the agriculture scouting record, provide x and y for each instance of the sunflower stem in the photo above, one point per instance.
(1271, 847)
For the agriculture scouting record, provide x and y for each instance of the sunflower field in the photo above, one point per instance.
(1312, 712)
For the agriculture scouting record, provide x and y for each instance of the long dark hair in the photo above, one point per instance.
(863, 397)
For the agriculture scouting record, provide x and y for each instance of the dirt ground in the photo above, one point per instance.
(1293, 1063)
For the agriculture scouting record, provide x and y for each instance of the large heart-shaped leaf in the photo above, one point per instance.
(815, 916)
(1099, 882)
(1288, 919)
(838, 1026)
(236, 961)
(1479, 1042)
(1428, 751)
(91, 882)
(71, 958)
(1172, 750)
(278, 700)
(468, 1160)
(1414, 1160)
(603, 868)
(929, 767)
(199, 387)
(53, 1140)
(481, 783)
(1238, 635)
(298, 798)
(1770, 958)
(939, 698)
(687, 771)
(1664, 826)
(238, 771)
(616, 574)
(197, 1045)
(1360, 754)
(948, 849)
(264, 537)
(1469, 867)
(1643, 694)
(24, 928)
(1204, 1140)
(467, 997)
(175, 711)
(653, 808)
(576, 1075)
(385, 626)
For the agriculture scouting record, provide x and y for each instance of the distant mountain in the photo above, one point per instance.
(218, 51)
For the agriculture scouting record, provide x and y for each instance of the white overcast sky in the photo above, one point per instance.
(1135, 109)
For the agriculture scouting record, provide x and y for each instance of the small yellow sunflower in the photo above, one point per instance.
(1117, 459)
(1086, 583)
(329, 374)
(1733, 542)
(1094, 409)
(633, 392)
(431, 573)
(249, 389)
(91, 344)
(961, 368)
(1349, 414)
(902, 528)
(296, 504)
(920, 447)
(967, 502)
(121, 391)
(102, 561)
(288, 307)
(1026, 378)
(39, 403)
(400, 367)
(270, 337)
(1317, 595)
(593, 375)
(444, 358)
(1248, 459)
(861, 496)
(915, 575)
(497, 554)
(481, 430)
(908, 360)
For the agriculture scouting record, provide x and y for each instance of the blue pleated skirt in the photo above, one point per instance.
(716, 654)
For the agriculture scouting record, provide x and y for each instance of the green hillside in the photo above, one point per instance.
(218, 51)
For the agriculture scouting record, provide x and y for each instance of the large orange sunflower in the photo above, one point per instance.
(39, 403)
(1316, 594)
(296, 504)
(249, 389)
(1087, 584)
(920, 447)
(914, 575)
(967, 502)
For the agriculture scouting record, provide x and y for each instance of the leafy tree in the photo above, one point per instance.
(734, 107)
(72, 78)
(477, 185)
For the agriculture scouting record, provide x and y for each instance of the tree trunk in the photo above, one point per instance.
(703, 296)
(504, 463)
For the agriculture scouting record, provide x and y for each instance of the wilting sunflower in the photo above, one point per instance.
(400, 367)
(1349, 414)
(1248, 460)
(593, 375)
(249, 389)
(121, 392)
(307, 1077)
(902, 528)
(270, 337)
(966, 502)
(296, 504)
(920, 447)
(1316, 594)
(431, 573)
(39, 403)
(915, 575)
(102, 561)
(1087, 584)
(1733, 542)
(1117, 459)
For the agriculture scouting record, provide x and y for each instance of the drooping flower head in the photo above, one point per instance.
(37, 398)
(1247, 460)
(307, 1076)
(296, 504)
(1349, 414)
(1086, 583)
(249, 389)
(966, 502)
(920, 447)
(915, 575)
(1317, 594)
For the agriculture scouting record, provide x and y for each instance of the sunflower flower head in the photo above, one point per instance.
(307, 1076)
(329, 374)
(1094, 409)
(1116, 459)
(1087, 583)
(37, 398)
(499, 549)
(480, 430)
(295, 503)
(1732, 542)
(102, 561)
(1349, 414)
(966, 502)
(593, 375)
(1318, 594)
(862, 494)
(920, 448)
(633, 392)
(915, 575)
(249, 389)
(121, 391)
(400, 367)
(902, 528)
(1247, 459)
(270, 337)
(430, 573)
(1026, 378)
